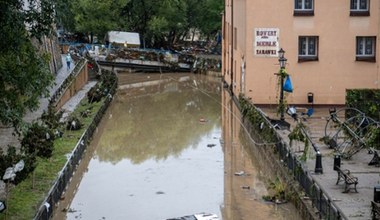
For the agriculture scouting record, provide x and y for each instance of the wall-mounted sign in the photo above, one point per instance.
(266, 42)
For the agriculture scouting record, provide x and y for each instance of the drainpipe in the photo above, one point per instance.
(378, 48)
(232, 47)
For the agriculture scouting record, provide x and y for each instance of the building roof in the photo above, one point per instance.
(122, 37)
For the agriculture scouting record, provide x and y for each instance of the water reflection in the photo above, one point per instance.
(161, 152)
(246, 174)
(141, 116)
(151, 157)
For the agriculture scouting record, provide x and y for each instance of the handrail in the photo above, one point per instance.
(67, 82)
(330, 201)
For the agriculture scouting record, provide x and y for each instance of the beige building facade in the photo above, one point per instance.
(330, 46)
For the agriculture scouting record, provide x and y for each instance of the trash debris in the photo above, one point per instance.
(70, 210)
(274, 199)
(211, 145)
(204, 216)
(280, 201)
(199, 216)
(202, 120)
(246, 187)
(241, 173)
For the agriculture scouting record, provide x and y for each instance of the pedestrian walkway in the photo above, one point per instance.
(6, 136)
(6, 132)
(353, 205)
(70, 105)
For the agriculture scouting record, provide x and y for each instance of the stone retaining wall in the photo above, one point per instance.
(74, 82)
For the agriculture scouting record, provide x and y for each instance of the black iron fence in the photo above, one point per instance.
(325, 205)
(320, 199)
(45, 211)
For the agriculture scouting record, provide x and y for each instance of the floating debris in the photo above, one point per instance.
(70, 210)
(274, 199)
(241, 173)
(199, 216)
(202, 120)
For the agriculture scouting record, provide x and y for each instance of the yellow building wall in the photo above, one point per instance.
(328, 78)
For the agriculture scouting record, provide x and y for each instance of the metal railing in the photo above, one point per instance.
(320, 198)
(67, 82)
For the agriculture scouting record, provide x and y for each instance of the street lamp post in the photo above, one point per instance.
(282, 60)
(292, 111)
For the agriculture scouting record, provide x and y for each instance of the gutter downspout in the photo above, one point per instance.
(378, 49)
(232, 47)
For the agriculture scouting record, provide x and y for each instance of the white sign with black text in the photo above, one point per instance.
(266, 42)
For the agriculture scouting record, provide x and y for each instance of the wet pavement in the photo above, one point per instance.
(353, 205)
(160, 153)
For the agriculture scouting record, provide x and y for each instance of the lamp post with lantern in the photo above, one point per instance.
(282, 61)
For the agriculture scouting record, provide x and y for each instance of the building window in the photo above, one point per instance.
(303, 7)
(359, 8)
(307, 48)
(366, 49)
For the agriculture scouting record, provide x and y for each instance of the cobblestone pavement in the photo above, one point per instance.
(353, 205)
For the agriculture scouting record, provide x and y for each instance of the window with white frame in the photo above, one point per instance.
(307, 48)
(304, 7)
(366, 48)
(359, 8)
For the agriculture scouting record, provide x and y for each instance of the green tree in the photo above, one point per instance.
(193, 14)
(64, 15)
(175, 18)
(159, 23)
(209, 22)
(172, 14)
(135, 17)
(97, 17)
(24, 73)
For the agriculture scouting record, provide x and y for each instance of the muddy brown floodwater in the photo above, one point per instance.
(164, 149)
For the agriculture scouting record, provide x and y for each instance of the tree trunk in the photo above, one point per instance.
(91, 37)
(192, 38)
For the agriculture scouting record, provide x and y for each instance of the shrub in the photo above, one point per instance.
(73, 124)
(38, 140)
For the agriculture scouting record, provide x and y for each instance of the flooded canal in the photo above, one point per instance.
(169, 146)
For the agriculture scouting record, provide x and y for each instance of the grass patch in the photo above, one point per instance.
(24, 200)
